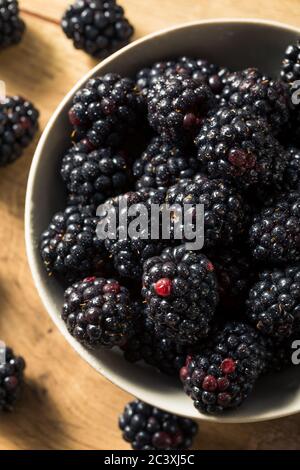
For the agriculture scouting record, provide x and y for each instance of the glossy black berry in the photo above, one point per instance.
(105, 110)
(290, 69)
(235, 273)
(12, 27)
(275, 233)
(149, 428)
(130, 252)
(224, 374)
(273, 305)
(224, 209)
(95, 175)
(198, 69)
(265, 97)
(235, 145)
(11, 378)
(177, 106)
(181, 293)
(98, 312)
(163, 164)
(160, 352)
(99, 27)
(18, 125)
(70, 247)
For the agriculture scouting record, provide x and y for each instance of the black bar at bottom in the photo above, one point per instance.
(204, 460)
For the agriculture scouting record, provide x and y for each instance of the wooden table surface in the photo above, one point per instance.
(66, 404)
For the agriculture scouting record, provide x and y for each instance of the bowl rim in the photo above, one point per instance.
(29, 241)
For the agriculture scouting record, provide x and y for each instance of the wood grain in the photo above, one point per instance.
(66, 404)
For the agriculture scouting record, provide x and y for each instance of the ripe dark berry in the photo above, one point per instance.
(224, 217)
(18, 125)
(223, 374)
(95, 175)
(267, 98)
(290, 69)
(70, 246)
(11, 378)
(12, 27)
(290, 73)
(186, 312)
(163, 164)
(236, 145)
(105, 110)
(177, 106)
(99, 27)
(160, 352)
(235, 274)
(274, 302)
(275, 233)
(99, 312)
(197, 69)
(130, 253)
(148, 428)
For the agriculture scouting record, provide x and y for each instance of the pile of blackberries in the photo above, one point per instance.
(184, 132)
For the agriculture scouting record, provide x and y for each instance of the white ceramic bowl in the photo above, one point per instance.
(236, 44)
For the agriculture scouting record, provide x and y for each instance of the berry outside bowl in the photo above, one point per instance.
(233, 43)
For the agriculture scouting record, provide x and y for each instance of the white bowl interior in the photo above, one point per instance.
(233, 43)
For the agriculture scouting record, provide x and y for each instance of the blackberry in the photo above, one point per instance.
(198, 69)
(235, 145)
(224, 217)
(162, 353)
(99, 27)
(235, 275)
(223, 375)
(266, 98)
(12, 27)
(11, 378)
(163, 164)
(105, 110)
(95, 175)
(290, 73)
(19, 123)
(181, 294)
(273, 305)
(290, 69)
(149, 428)
(292, 173)
(177, 106)
(129, 254)
(275, 233)
(98, 312)
(267, 195)
(70, 246)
